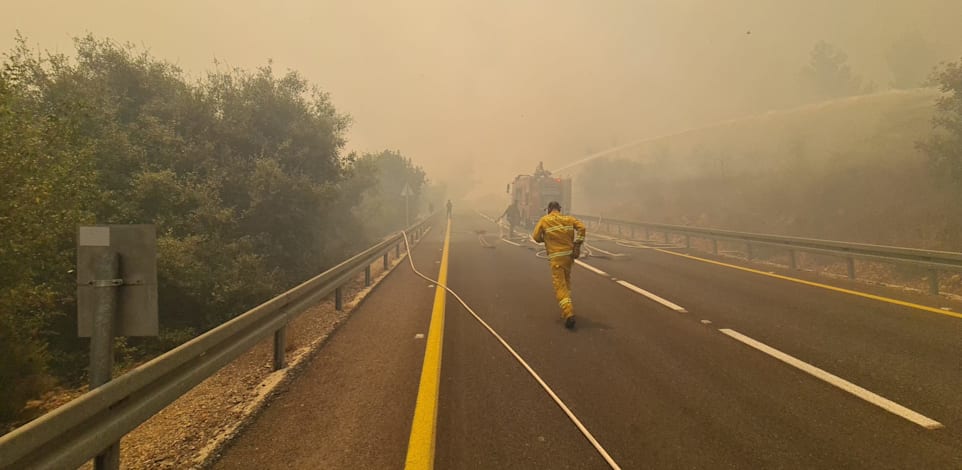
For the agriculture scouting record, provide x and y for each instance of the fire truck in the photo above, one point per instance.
(533, 193)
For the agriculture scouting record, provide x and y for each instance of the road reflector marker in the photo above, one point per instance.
(839, 382)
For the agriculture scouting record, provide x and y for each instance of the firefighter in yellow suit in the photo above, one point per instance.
(562, 236)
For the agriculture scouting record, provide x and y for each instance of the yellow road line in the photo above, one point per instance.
(420, 454)
(823, 286)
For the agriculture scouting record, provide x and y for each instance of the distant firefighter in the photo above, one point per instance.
(513, 215)
(562, 236)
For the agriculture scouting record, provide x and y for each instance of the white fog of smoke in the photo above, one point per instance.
(483, 90)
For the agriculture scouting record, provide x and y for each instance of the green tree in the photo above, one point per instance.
(828, 75)
(383, 205)
(944, 146)
(910, 59)
(46, 175)
(242, 173)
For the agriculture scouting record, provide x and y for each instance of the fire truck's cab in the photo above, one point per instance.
(533, 193)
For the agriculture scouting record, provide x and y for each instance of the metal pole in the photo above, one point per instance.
(385, 261)
(280, 344)
(748, 250)
(107, 281)
(934, 281)
(407, 218)
(792, 260)
(397, 250)
(367, 276)
(714, 246)
(338, 299)
(687, 242)
(851, 267)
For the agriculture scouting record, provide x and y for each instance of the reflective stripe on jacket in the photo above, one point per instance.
(559, 233)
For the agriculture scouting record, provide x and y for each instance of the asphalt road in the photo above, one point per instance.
(656, 387)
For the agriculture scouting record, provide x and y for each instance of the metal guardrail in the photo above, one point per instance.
(934, 261)
(79, 430)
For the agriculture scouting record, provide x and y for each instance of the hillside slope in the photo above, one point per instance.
(845, 169)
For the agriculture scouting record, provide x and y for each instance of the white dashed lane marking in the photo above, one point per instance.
(590, 268)
(666, 303)
(839, 382)
(633, 288)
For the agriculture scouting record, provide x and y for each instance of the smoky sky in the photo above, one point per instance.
(479, 91)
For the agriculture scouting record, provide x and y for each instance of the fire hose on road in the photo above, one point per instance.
(574, 419)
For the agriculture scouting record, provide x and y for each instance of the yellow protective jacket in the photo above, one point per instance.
(559, 233)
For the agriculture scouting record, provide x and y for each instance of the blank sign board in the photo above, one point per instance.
(136, 246)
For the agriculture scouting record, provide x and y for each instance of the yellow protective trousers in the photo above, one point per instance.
(561, 280)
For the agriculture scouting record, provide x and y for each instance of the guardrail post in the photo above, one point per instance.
(666, 237)
(851, 267)
(748, 251)
(714, 246)
(792, 260)
(687, 243)
(338, 299)
(367, 276)
(280, 344)
(619, 230)
(934, 281)
(397, 250)
(385, 261)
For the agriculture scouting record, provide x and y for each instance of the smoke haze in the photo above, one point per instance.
(479, 91)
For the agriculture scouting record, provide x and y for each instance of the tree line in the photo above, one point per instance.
(243, 172)
(910, 59)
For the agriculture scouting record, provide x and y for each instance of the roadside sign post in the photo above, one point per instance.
(105, 293)
(406, 192)
(116, 296)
